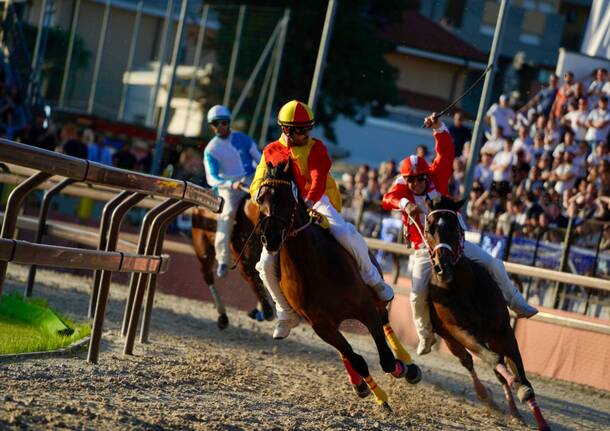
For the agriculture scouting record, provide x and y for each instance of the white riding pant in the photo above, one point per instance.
(345, 233)
(422, 271)
(226, 220)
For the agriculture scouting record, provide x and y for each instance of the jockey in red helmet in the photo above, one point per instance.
(416, 182)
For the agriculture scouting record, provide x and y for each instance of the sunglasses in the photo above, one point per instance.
(417, 178)
(217, 123)
(301, 130)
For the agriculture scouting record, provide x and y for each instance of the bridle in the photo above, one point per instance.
(288, 231)
(458, 252)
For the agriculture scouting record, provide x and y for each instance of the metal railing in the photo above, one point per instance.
(134, 187)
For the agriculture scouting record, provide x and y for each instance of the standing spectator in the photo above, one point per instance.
(495, 143)
(576, 119)
(501, 115)
(600, 154)
(546, 97)
(566, 145)
(598, 122)
(99, 151)
(459, 132)
(596, 89)
(124, 158)
(422, 151)
(41, 134)
(482, 171)
(71, 143)
(563, 95)
(524, 143)
(565, 174)
(501, 167)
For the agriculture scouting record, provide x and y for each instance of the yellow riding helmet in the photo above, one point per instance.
(295, 114)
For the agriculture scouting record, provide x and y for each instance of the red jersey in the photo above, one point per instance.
(439, 175)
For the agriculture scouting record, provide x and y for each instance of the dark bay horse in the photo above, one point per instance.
(204, 230)
(468, 311)
(322, 283)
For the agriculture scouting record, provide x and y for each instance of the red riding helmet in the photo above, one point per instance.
(413, 166)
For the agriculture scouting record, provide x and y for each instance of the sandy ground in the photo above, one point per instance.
(192, 376)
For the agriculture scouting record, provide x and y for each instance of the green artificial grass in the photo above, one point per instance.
(28, 325)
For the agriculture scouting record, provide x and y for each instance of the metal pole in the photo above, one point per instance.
(261, 98)
(322, 52)
(475, 143)
(98, 56)
(152, 105)
(68, 65)
(196, 63)
(36, 54)
(240, 25)
(256, 70)
(132, 51)
(162, 129)
(563, 264)
(274, 78)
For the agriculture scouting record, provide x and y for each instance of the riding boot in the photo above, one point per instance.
(495, 267)
(287, 318)
(423, 327)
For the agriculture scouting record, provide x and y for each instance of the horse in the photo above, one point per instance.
(322, 283)
(203, 232)
(468, 311)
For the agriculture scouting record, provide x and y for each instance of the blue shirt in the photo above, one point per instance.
(228, 159)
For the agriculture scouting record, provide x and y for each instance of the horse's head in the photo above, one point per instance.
(278, 199)
(445, 236)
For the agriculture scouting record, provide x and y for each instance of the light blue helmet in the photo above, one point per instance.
(219, 112)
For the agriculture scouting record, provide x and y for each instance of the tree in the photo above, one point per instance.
(357, 79)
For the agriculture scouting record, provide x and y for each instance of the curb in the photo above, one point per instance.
(77, 345)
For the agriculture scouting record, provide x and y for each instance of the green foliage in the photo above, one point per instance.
(357, 78)
(55, 56)
(22, 332)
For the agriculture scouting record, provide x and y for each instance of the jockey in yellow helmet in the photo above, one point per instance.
(310, 164)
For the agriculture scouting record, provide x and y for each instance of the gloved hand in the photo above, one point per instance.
(409, 207)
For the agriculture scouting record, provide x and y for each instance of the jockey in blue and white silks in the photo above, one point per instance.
(230, 160)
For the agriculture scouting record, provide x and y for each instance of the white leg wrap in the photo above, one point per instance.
(226, 220)
(267, 270)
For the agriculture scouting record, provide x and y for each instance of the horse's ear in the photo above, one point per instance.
(458, 204)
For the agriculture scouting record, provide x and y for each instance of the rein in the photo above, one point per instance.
(290, 233)
(457, 254)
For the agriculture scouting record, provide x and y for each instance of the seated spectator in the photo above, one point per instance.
(596, 89)
(537, 149)
(501, 115)
(459, 132)
(564, 175)
(523, 142)
(600, 153)
(568, 144)
(555, 218)
(72, 144)
(422, 151)
(564, 93)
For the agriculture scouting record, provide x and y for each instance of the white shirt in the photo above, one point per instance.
(561, 186)
(503, 161)
(229, 159)
(493, 146)
(525, 145)
(503, 117)
(575, 117)
(595, 134)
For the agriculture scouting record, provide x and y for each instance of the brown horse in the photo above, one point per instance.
(468, 311)
(204, 230)
(322, 283)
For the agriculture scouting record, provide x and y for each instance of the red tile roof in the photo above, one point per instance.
(417, 31)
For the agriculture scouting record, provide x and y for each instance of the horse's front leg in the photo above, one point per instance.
(353, 362)
(412, 373)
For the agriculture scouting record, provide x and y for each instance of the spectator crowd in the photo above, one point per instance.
(539, 165)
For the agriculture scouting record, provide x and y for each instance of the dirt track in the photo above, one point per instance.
(193, 376)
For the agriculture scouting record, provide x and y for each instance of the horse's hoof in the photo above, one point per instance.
(362, 390)
(414, 374)
(252, 313)
(222, 322)
(386, 407)
(524, 393)
(401, 369)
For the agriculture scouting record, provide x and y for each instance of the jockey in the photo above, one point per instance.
(311, 166)
(229, 159)
(418, 181)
